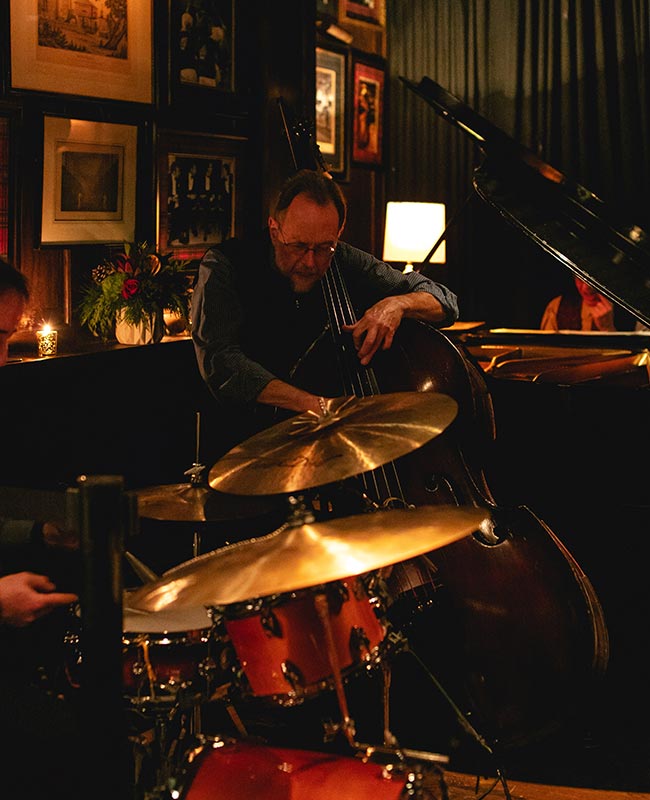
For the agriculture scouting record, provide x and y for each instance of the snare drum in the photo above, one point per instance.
(240, 771)
(166, 656)
(281, 642)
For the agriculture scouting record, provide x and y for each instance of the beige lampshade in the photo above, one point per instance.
(411, 231)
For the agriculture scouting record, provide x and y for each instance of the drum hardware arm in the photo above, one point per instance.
(195, 472)
(141, 570)
(417, 764)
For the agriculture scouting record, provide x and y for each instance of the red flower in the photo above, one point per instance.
(123, 263)
(130, 287)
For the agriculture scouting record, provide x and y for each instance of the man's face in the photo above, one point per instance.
(12, 307)
(304, 238)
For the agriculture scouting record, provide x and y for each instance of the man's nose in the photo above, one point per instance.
(309, 259)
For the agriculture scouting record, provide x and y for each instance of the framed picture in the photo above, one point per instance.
(201, 49)
(330, 108)
(93, 49)
(4, 185)
(373, 11)
(89, 181)
(200, 179)
(368, 115)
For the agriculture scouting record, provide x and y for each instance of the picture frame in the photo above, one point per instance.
(368, 90)
(373, 11)
(201, 50)
(192, 218)
(106, 68)
(5, 190)
(89, 181)
(331, 78)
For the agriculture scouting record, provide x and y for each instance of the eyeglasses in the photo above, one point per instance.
(322, 252)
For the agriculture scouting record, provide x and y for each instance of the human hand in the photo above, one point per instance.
(26, 596)
(602, 311)
(54, 536)
(376, 328)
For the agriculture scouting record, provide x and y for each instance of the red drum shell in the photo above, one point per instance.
(241, 771)
(302, 641)
(156, 665)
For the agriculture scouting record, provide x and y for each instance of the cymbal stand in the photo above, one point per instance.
(404, 645)
(195, 474)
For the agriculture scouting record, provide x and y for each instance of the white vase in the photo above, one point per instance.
(149, 332)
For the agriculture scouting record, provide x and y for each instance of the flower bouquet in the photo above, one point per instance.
(135, 288)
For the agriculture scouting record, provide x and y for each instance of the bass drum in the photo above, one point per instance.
(240, 771)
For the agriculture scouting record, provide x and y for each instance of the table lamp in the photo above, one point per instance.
(411, 231)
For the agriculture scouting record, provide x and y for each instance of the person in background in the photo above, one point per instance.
(579, 308)
(258, 307)
(41, 754)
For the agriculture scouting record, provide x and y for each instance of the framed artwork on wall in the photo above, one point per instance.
(89, 181)
(368, 114)
(200, 180)
(373, 11)
(74, 48)
(4, 186)
(330, 108)
(201, 49)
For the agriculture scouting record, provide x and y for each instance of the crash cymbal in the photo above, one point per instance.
(307, 555)
(355, 436)
(186, 502)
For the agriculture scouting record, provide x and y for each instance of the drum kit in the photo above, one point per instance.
(287, 616)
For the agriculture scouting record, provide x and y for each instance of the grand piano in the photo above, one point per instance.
(575, 226)
(568, 403)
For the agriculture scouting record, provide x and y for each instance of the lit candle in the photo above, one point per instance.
(46, 339)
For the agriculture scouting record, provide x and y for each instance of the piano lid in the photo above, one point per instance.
(564, 218)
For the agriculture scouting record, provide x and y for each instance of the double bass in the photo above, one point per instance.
(505, 619)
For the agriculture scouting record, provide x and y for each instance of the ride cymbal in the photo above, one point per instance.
(307, 555)
(186, 502)
(355, 436)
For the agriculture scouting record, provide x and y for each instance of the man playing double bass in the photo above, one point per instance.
(258, 310)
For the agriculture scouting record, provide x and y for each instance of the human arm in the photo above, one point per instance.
(396, 296)
(217, 330)
(26, 596)
(283, 395)
(549, 317)
(16, 533)
(601, 310)
(376, 328)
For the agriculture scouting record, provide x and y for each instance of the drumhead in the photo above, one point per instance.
(168, 621)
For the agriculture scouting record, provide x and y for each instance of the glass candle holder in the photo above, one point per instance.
(47, 342)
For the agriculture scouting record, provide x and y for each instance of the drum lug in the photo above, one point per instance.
(337, 595)
(294, 677)
(359, 644)
(207, 668)
(270, 623)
